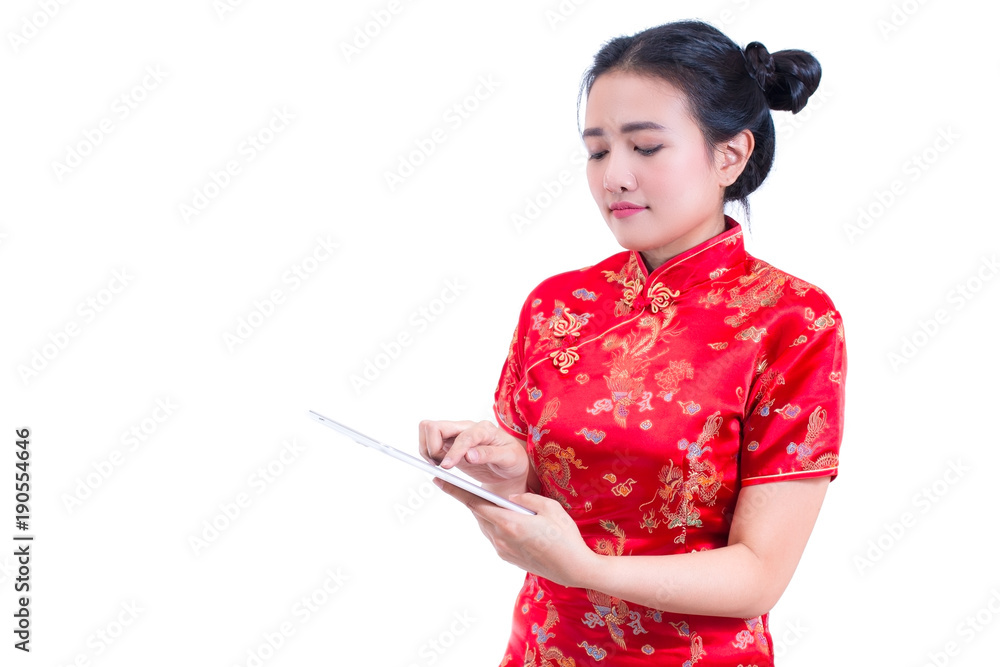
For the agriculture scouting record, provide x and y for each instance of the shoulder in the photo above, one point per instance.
(794, 290)
(581, 286)
(787, 306)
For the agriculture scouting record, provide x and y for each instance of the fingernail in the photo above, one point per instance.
(472, 455)
(446, 462)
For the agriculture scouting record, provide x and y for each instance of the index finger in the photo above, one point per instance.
(436, 438)
(473, 435)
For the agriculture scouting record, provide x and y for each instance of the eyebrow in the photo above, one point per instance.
(626, 128)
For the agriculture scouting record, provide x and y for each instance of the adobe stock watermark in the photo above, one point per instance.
(453, 117)
(257, 483)
(102, 639)
(970, 627)
(912, 170)
(437, 646)
(40, 358)
(786, 124)
(414, 500)
(899, 15)
(731, 13)
(925, 330)
(247, 151)
(921, 504)
(366, 33)
(561, 12)
(264, 308)
(300, 613)
(32, 24)
(131, 439)
(549, 190)
(223, 8)
(123, 105)
(419, 322)
(787, 638)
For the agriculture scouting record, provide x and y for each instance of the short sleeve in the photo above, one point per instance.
(794, 418)
(511, 375)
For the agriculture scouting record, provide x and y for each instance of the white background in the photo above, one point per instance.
(870, 590)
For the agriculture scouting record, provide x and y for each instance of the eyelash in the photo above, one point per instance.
(642, 151)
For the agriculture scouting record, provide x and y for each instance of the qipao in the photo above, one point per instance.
(647, 400)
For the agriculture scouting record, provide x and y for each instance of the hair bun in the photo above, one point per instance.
(787, 77)
(760, 64)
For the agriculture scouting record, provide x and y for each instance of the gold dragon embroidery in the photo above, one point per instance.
(630, 359)
(679, 496)
(669, 379)
(766, 285)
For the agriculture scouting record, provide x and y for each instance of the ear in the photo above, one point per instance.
(731, 156)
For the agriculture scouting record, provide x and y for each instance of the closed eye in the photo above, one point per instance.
(642, 151)
(648, 151)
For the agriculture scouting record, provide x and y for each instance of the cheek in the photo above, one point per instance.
(681, 178)
(595, 180)
(700, 169)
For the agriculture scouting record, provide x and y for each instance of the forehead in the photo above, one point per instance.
(619, 98)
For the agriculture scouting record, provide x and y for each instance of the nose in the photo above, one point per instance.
(617, 175)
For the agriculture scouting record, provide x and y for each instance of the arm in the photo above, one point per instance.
(744, 579)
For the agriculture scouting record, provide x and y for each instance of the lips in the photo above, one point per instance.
(623, 209)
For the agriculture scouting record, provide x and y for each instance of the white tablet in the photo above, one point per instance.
(416, 462)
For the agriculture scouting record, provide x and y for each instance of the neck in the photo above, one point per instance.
(657, 257)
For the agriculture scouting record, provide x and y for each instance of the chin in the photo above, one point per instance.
(629, 240)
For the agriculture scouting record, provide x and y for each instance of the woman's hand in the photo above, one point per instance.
(479, 449)
(548, 544)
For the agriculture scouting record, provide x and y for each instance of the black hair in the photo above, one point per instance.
(729, 89)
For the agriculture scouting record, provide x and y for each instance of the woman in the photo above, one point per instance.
(672, 414)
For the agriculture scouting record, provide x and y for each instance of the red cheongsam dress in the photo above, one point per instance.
(648, 399)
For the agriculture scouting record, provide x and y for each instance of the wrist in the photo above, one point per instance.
(588, 573)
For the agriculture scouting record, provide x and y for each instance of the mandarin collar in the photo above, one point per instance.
(657, 289)
(706, 261)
